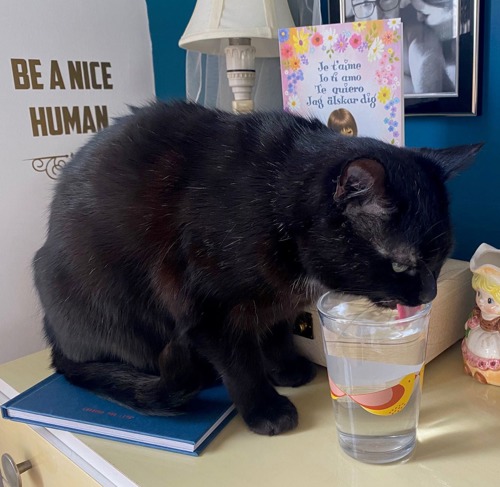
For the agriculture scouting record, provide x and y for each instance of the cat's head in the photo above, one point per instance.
(384, 228)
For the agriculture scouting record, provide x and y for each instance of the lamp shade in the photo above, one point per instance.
(215, 21)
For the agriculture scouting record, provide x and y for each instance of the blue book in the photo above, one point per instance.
(55, 403)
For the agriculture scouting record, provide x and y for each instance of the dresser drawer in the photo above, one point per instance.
(50, 468)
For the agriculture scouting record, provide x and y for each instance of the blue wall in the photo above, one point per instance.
(167, 21)
(475, 194)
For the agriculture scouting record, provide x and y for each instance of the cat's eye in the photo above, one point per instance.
(396, 267)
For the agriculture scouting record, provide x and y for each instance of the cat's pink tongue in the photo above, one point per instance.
(406, 311)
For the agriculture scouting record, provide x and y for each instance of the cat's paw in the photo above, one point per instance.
(274, 417)
(294, 373)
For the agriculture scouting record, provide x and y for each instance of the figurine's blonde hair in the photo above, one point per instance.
(342, 119)
(481, 282)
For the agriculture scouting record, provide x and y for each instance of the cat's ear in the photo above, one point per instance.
(362, 182)
(453, 160)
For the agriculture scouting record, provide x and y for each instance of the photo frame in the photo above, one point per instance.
(445, 82)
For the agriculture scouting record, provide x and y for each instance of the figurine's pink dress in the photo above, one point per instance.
(481, 348)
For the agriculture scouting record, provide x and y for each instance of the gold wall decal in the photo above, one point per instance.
(50, 165)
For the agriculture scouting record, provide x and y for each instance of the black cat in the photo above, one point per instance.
(183, 242)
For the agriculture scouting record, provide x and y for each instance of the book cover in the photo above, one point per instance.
(56, 403)
(347, 75)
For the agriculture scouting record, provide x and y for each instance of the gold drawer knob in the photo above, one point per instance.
(13, 470)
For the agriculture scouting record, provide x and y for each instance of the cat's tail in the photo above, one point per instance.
(123, 383)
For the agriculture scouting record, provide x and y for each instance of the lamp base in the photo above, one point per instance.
(240, 65)
(242, 106)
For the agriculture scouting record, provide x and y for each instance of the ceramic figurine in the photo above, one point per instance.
(481, 345)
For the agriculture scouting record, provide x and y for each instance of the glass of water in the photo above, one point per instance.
(375, 360)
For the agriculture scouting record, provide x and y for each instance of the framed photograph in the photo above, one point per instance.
(441, 49)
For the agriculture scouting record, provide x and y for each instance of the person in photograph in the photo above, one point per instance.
(425, 28)
(437, 14)
(343, 122)
(441, 17)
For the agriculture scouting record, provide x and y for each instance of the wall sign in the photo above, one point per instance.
(67, 68)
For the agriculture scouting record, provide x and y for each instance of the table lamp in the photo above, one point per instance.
(242, 30)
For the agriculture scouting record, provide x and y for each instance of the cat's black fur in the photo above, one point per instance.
(183, 242)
